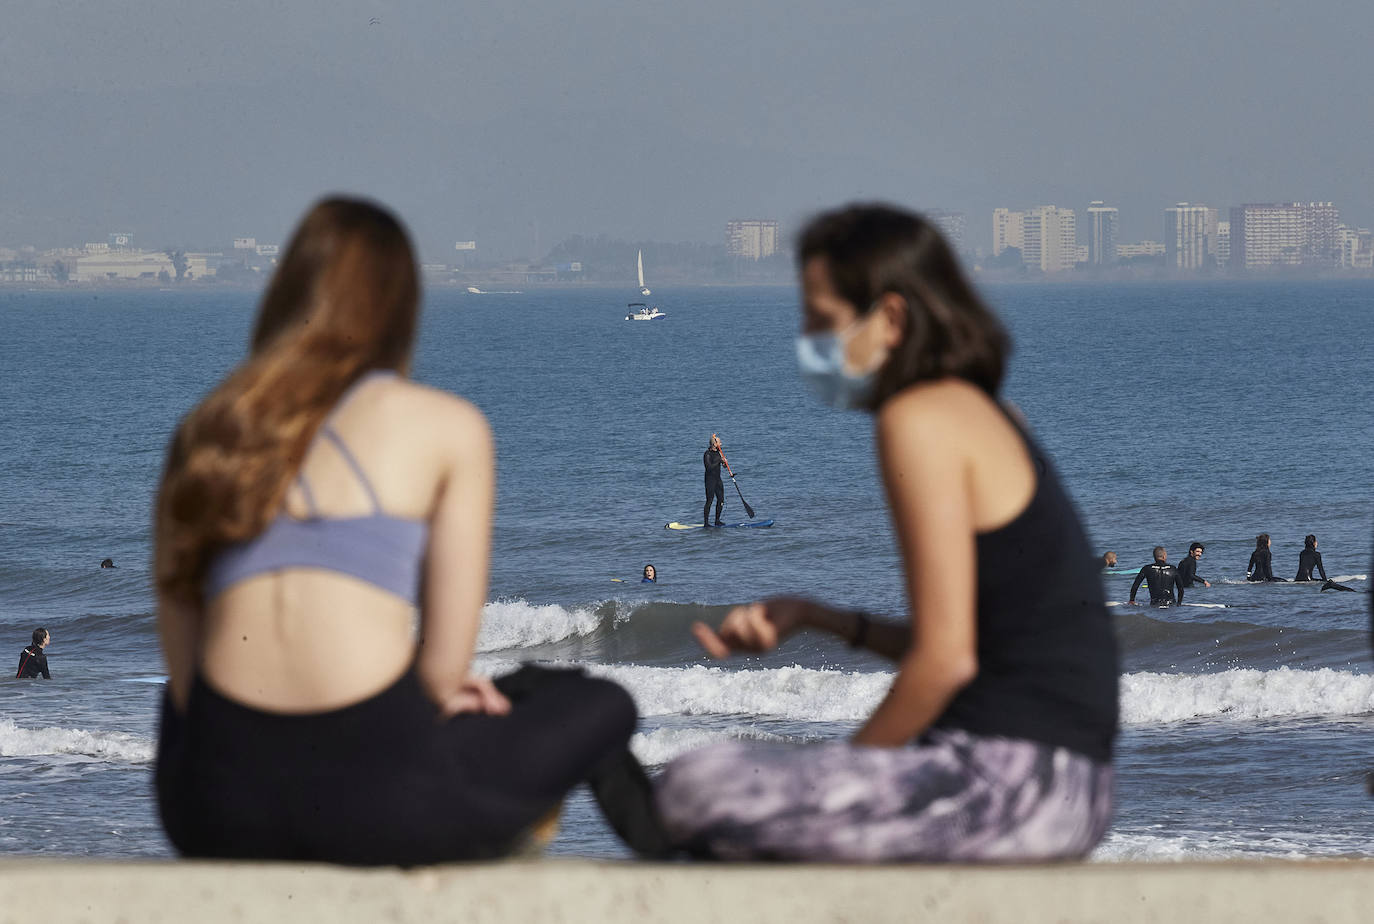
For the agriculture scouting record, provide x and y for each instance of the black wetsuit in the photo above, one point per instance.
(712, 458)
(1162, 578)
(1307, 560)
(1187, 571)
(32, 663)
(1261, 567)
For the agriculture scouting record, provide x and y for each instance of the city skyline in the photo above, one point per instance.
(186, 123)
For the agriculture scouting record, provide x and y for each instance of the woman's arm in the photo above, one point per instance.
(457, 564)
(1320, 567)
(927, 479)
(762, 626)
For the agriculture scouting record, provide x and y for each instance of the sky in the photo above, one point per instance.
(519, 124)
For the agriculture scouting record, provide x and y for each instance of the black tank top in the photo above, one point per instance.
(1047, 658)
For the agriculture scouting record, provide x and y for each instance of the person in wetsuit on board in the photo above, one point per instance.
(1162, 578)
(32, 661)
(1261, 566)
(1309, 559)
(712, 458)
(1187, 569)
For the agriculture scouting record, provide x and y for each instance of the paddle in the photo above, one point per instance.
(747, 509)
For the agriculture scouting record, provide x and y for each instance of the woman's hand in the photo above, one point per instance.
(477, 694)
(755, 627)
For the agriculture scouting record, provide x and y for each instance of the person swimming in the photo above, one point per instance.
(32, 661)
(650, 575)
(107, 563)
(1108, 560)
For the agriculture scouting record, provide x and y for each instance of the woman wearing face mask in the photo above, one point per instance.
(994, 741)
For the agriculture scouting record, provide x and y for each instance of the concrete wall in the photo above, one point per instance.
(1329, 891)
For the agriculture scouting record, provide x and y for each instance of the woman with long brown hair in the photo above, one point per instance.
(311, 504)
(994, 741)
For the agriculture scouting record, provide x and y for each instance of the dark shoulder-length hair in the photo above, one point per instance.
(871, 250)
(344, 300)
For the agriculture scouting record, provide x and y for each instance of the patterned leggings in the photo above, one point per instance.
(955, 796)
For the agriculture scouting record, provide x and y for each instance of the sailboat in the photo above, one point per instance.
(643, 289)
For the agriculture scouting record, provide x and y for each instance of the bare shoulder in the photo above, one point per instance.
(436, 415)
(934, 411)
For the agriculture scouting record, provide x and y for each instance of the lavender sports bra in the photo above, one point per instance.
(383, 550)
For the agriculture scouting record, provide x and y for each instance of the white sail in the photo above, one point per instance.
(643, 289)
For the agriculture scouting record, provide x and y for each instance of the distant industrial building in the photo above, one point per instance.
(1190, 237)
(752, 238)
(1102, 225)
(111, 265)
(1272, 234)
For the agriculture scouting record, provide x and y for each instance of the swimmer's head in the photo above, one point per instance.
(107, 563)
(1196, 549)
(1109, 560)
(1310, 542)
(1160, 554)
(650, 573)
(41, 637)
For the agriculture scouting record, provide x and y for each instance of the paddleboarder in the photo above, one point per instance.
(713, 458)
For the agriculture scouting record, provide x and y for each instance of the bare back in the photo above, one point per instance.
(303, 640)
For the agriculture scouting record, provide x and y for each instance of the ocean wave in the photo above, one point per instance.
(508, 624)
(1120, 847)
(115, 747)
(1148, 698)
(809, 695)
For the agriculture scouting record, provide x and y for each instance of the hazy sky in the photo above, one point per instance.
(192, 122)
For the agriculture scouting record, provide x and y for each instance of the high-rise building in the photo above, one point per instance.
(1223, 244)
(951, 225)
(1139, 250)
(752, 238)
(1102, 224)
(1284, 234)
(1190, 237)
(1355, 247)
(1007, 230)
(1050, 239)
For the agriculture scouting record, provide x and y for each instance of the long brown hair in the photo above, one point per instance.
(871, 250)
(343, 301)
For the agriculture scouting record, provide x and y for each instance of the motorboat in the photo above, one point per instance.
(642, 312)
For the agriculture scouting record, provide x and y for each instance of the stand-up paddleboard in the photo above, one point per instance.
(755, 524)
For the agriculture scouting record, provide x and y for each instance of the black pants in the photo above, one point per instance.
(384, 782)
(714, 489)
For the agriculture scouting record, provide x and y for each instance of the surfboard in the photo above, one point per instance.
(754, 524)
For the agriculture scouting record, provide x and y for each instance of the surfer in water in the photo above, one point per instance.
(1162, 578)
(650, 575)
(1309, 559)
(1261, 566)
(1187, 569)
(994, 740)
(713, 458)
(1108, 561)
(32, 661)
(107, 563)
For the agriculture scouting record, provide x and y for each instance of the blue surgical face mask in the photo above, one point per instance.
(821, 359)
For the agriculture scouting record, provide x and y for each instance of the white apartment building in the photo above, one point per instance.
(1284, 234)
(752, 238)
(1190, 236)
(111, 265)
(1050, 239)
(1355, 248)
(1007, 230)
(1102, 225)
(1140, 249)
(1223, 244)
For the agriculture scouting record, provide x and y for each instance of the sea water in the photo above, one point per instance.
(1207, 412)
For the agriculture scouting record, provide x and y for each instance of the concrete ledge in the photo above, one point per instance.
(58, 892)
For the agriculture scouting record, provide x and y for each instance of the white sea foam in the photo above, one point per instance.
(1179, 845)
(808, 695)
(657, 747)
(1244, 694)
(115, 747)
(517, 624)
